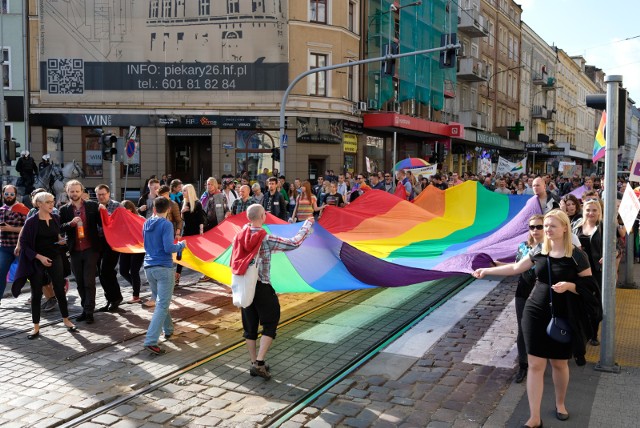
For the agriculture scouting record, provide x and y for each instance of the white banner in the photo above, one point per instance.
(635, 167)
(629, 208)
(484, 166)
(425, 171)
(504, 166)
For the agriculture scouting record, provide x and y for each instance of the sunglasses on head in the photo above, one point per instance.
(9, 194)
(536, 227)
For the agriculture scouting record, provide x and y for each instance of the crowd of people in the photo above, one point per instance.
(52, 242)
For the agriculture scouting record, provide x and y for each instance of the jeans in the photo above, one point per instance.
(6, 258)
(161, 281)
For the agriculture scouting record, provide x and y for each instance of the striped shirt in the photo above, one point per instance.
(275, 244)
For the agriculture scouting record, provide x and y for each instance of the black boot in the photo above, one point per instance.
(522, 373)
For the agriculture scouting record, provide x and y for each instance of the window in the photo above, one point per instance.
(5, 6)
(350, 85)
(352, 16)
(253, 152)
(233, 6)
(205, 7)
(318, 81)
(166, 8)
(53, 145)
(318, 11)
(6, 68)
(153, 8)
(92, 151)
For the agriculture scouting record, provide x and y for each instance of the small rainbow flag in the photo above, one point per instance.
(599, 144)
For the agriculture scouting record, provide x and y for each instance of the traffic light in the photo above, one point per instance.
(109, 146)
(448, 57)
(275, 154)
(599, 102)
(389, 65)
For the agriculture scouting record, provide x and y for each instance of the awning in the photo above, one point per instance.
(188, 132)
(395, 122)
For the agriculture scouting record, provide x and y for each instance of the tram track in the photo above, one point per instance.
(313, 392)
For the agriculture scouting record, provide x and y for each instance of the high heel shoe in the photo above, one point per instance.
(33, 335)
(72, 329)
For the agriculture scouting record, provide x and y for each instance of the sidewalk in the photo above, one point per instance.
(456, 369)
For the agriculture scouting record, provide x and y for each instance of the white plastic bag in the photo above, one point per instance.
(243, 287)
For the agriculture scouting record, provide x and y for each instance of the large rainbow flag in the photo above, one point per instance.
(379, 240)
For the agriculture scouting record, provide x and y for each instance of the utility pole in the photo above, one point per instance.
(2, 112)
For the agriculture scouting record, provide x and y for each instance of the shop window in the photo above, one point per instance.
(6, 68)
(374, 152)
(53, 145)
(254, 152)
(92, 151)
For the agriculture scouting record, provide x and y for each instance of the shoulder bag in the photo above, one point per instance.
(558, 328)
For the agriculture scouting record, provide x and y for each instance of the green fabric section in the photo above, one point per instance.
(224, 258)
(491, 211)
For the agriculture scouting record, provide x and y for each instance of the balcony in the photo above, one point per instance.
(542, 113)
(472, 70)
(471, 23)
(473, 119)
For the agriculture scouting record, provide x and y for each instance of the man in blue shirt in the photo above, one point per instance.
(157, 234)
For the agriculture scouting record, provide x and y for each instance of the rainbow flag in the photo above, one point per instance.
(379, 240)
(599, 144)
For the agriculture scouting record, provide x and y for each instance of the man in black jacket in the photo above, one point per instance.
(273, 201)
(80, 220)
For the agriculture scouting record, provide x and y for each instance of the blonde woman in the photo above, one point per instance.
(193, 217)
(588, 229)
(562, 271)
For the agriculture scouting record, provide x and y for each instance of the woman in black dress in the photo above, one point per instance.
(560, 269)
(41, 260)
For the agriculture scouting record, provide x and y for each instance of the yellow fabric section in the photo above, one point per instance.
(220, 273)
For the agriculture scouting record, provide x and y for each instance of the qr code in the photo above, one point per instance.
(65, 76)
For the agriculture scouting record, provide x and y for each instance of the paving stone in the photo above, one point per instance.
(68, 414)
(209, 421)
(105, 419)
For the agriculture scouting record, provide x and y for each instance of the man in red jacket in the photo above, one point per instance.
(251, 242)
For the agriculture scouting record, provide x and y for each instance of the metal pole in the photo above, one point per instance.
(607, 344)
(628, 277)
(299, 77)
(112, 184)
(25, 59)
(2, 112)
(395, 138)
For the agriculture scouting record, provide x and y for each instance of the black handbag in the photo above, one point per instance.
(558, 328)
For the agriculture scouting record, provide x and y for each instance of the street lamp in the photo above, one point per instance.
(499, 72)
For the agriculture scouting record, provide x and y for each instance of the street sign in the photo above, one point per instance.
(283, 141)
(131, 148)
(534, 146)
(227, 146)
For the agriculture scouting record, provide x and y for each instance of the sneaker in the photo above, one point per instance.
(168, 336)
(155, 349)
(149, 303)
(204, 278)
(261, 371)
(50, 305)
(252, 373)
(134, 299)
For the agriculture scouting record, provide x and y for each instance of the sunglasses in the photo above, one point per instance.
(9, 194)
(387, 176)
(536, 227)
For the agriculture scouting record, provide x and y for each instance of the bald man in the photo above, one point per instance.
(241, 204)
(547, 200)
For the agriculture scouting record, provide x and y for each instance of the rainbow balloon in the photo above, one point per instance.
(377, 241)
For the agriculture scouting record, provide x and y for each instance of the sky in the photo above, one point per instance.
(594, 29)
